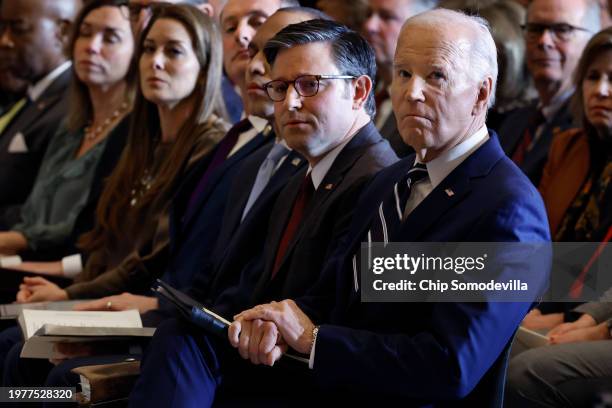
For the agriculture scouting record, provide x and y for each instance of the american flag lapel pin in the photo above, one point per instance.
(449, 192)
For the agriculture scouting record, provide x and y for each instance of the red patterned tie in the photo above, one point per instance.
(297, 213)
(525, 145)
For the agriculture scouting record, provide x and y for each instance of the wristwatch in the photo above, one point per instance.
(315, 332)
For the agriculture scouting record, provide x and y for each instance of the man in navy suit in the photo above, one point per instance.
(322, 81)
(467, 190)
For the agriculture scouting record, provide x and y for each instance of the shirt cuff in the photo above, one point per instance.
(10, 261)
(72, 265)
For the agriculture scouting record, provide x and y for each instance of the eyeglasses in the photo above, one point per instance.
(305, 85)
(559, 32)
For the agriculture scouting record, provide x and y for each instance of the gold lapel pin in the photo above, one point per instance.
(296, 161)
(329, 186)
(449, 192)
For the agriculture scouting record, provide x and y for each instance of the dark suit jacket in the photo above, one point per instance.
(426, 352)
(513, 128)
(37, 123)
(390, 132)
(194, 231)
(240, 245)
(327, 216)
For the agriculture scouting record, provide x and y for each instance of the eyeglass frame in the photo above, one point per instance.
(552, 28)
(317, 77)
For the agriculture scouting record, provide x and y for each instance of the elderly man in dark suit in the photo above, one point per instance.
(459, 187)
(322, 82)
(33, 40)
(556, 32)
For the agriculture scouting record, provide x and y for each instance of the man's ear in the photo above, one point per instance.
(207, 9)
(483, 96)
(363, 88)
(63, 33)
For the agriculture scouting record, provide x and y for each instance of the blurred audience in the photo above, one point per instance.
(351, 13)
(101, 49)
(179, 60)
(32, 44)
(381, 28)
(556, 32)
(576, 181)
(514, 87)
(577, 190)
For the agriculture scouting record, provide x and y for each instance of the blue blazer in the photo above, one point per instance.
(426, 352)
(194, 231)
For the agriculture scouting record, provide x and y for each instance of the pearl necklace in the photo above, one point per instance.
(91, 134)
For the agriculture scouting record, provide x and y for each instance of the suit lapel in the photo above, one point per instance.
(290, 166)
(511, 140)
(448, 194)
(341, 166)
(217, 175)
(33, 110)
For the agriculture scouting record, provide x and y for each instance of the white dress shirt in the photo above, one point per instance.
(34, 91)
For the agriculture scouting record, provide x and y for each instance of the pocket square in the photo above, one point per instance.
(18, 144)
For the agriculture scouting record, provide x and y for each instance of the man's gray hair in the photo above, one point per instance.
(592, 16)
(482, 57)
(591, 20)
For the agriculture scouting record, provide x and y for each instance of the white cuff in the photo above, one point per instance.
(312, 355)
(9, 261)
(72, 265)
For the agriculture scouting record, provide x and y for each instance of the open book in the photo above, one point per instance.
(44, 329)
(13, 310)
(199, 315)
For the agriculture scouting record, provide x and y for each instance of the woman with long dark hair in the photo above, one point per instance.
(173, 125)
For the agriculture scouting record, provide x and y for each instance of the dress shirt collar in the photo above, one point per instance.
(549, 111)
(443, 165)
(322, 167)
(258, 123)
(37, 89)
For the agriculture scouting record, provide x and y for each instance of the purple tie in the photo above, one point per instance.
(225, 146)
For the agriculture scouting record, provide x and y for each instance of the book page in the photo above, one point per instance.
(32, 320)
(12, 310)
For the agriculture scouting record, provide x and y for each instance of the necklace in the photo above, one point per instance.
(142, 186)
(91, 134)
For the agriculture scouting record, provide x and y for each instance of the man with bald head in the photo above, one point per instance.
(556, 32)
(381, 29)
(458, 187)
(32, 43)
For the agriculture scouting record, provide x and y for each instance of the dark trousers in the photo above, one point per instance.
(183, 367)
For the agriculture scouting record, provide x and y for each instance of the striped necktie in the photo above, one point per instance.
(391, 210)
(390, 213)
